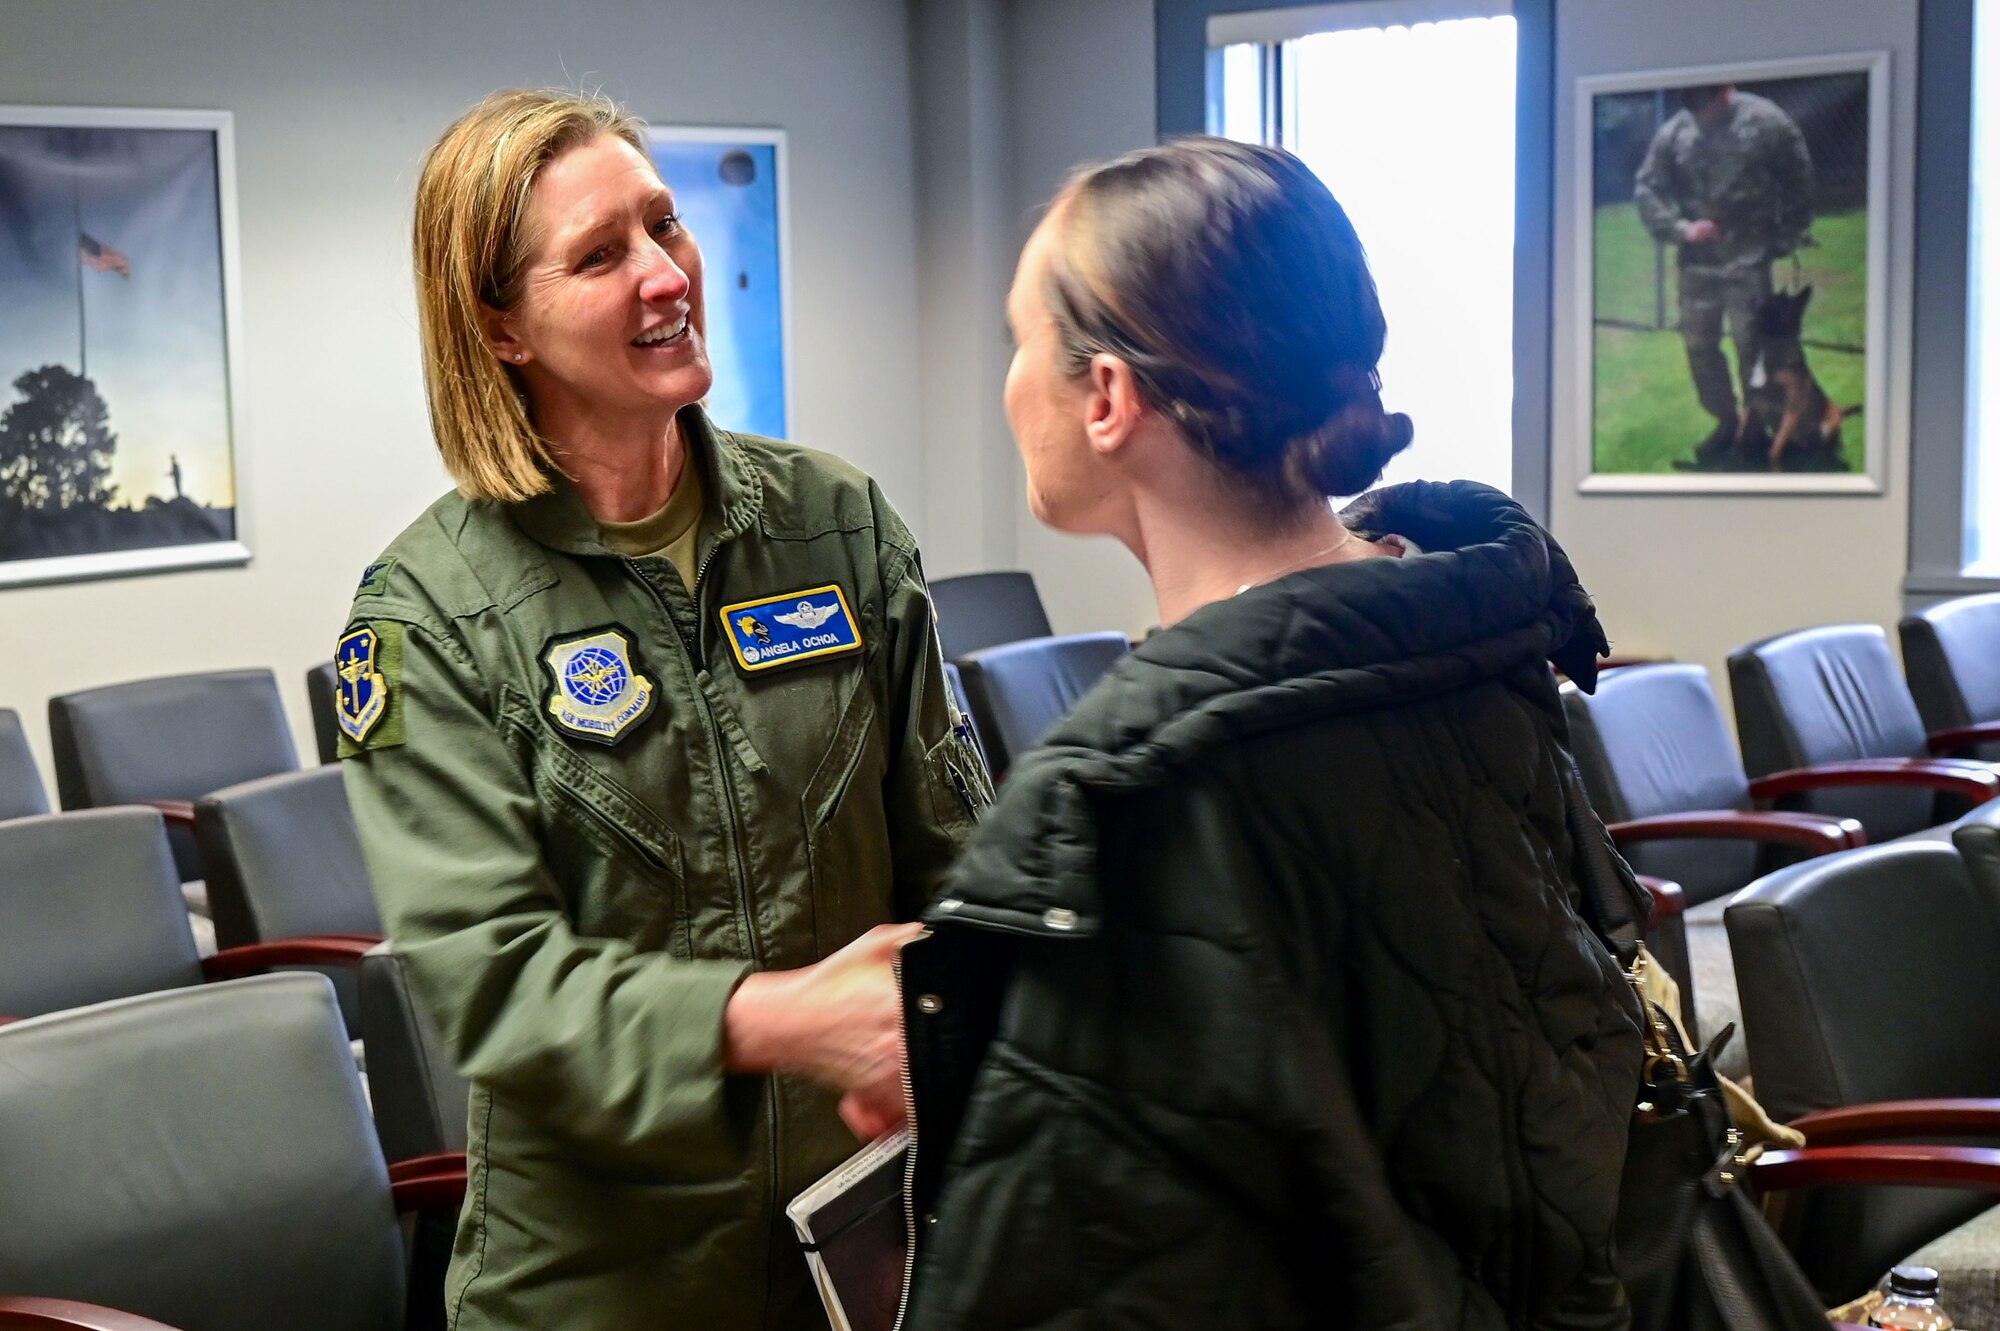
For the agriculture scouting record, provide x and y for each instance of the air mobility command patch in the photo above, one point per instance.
(791, 629)
(595, 692)
(375, 578)
(367, 665)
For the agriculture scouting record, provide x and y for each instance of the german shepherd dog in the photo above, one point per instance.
(1782, 400)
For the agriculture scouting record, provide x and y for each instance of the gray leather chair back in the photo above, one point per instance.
(22, 794)
(1976, 837)
(174, 738)
(90, 909)
(418, 1097)
(1021, 689)
(981, 610)
(322, 687)
(282, 859)
(1865, 976)
(1653, 740)
(1828, 695)
(1951, 657)
(203, 1158)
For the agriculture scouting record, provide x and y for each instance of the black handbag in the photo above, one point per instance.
(1694, 1251)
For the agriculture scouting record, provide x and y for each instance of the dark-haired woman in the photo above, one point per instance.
(1262, 998)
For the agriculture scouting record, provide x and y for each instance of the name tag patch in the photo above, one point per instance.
(595, 692)
(790, 629)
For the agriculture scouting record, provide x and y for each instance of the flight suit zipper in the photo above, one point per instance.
(738, 855)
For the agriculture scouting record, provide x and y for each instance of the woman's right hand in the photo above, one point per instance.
(838, 1021)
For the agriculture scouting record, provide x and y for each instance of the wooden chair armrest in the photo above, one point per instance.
(1961, 742)
(1972, 781)
(441, 1190)
(57, 1314)
(1818, 834)
(1900, 1118)
(310, 950)
(1668, 899)
(8, 1021)
(1976, 1167)
(424, 1166)
(178, 812)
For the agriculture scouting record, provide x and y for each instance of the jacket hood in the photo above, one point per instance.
(1492, 595)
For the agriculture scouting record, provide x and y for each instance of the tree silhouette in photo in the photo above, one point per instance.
(56, 493)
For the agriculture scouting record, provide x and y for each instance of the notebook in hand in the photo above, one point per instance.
(852, 1227)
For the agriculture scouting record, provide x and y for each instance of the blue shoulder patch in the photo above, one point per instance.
(791, 629)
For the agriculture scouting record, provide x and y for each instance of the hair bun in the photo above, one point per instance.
(1347, 454)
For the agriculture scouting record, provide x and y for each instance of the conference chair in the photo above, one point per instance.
(1832, 698)
(282, 859)
(90, 910)
(1951, 658)
(1873, 1003)
(203, 1160)
(167, 742)
(415, 1090)
(22, 794)
(980, 610)
(322, 688)
(1654, 750)
(956, 680)
(1020, 689)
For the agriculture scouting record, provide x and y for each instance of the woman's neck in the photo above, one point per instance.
(623, 475)
(1197, 551)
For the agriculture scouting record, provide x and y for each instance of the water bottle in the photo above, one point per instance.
(1912, 1303)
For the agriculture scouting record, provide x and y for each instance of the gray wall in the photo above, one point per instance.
(335, 105)
(1694, 576)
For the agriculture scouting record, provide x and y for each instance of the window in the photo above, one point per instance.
(1411, 125)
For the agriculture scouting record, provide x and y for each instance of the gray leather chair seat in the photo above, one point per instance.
(202, 1158)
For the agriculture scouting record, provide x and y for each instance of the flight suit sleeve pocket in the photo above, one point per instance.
(960, 788)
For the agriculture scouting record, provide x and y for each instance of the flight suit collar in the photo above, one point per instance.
(560, 521)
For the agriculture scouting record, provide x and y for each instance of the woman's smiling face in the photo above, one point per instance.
(610, 322)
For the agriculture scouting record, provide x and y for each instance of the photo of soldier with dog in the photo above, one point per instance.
(1730, 242)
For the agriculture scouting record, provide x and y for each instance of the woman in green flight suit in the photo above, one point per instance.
(647, 737)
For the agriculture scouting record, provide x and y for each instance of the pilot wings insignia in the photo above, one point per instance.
(808, 615)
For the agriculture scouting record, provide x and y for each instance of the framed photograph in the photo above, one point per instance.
(729, 185)
(119, 365)
(1732, 251)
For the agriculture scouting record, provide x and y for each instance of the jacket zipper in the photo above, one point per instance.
(909, 1152)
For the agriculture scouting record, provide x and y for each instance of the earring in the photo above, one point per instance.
(520, 355)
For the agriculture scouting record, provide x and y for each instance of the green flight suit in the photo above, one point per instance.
(575, 913)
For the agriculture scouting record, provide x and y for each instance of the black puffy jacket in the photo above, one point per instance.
(1263, 997)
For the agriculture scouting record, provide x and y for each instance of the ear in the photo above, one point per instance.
(1113, 404)
(500, 335)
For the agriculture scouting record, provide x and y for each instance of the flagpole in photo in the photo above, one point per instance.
(76, 212)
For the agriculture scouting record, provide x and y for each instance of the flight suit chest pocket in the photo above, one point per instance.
(619, 866)
(847, 828)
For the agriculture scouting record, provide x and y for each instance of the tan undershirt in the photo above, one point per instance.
(672, 532)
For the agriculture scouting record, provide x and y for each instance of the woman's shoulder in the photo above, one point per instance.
(445, 562)
(808, 491)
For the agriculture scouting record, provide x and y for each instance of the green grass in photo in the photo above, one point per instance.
(1644, 407)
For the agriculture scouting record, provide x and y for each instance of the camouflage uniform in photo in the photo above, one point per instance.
(1752, 176)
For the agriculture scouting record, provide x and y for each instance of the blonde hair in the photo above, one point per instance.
(470, 245)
